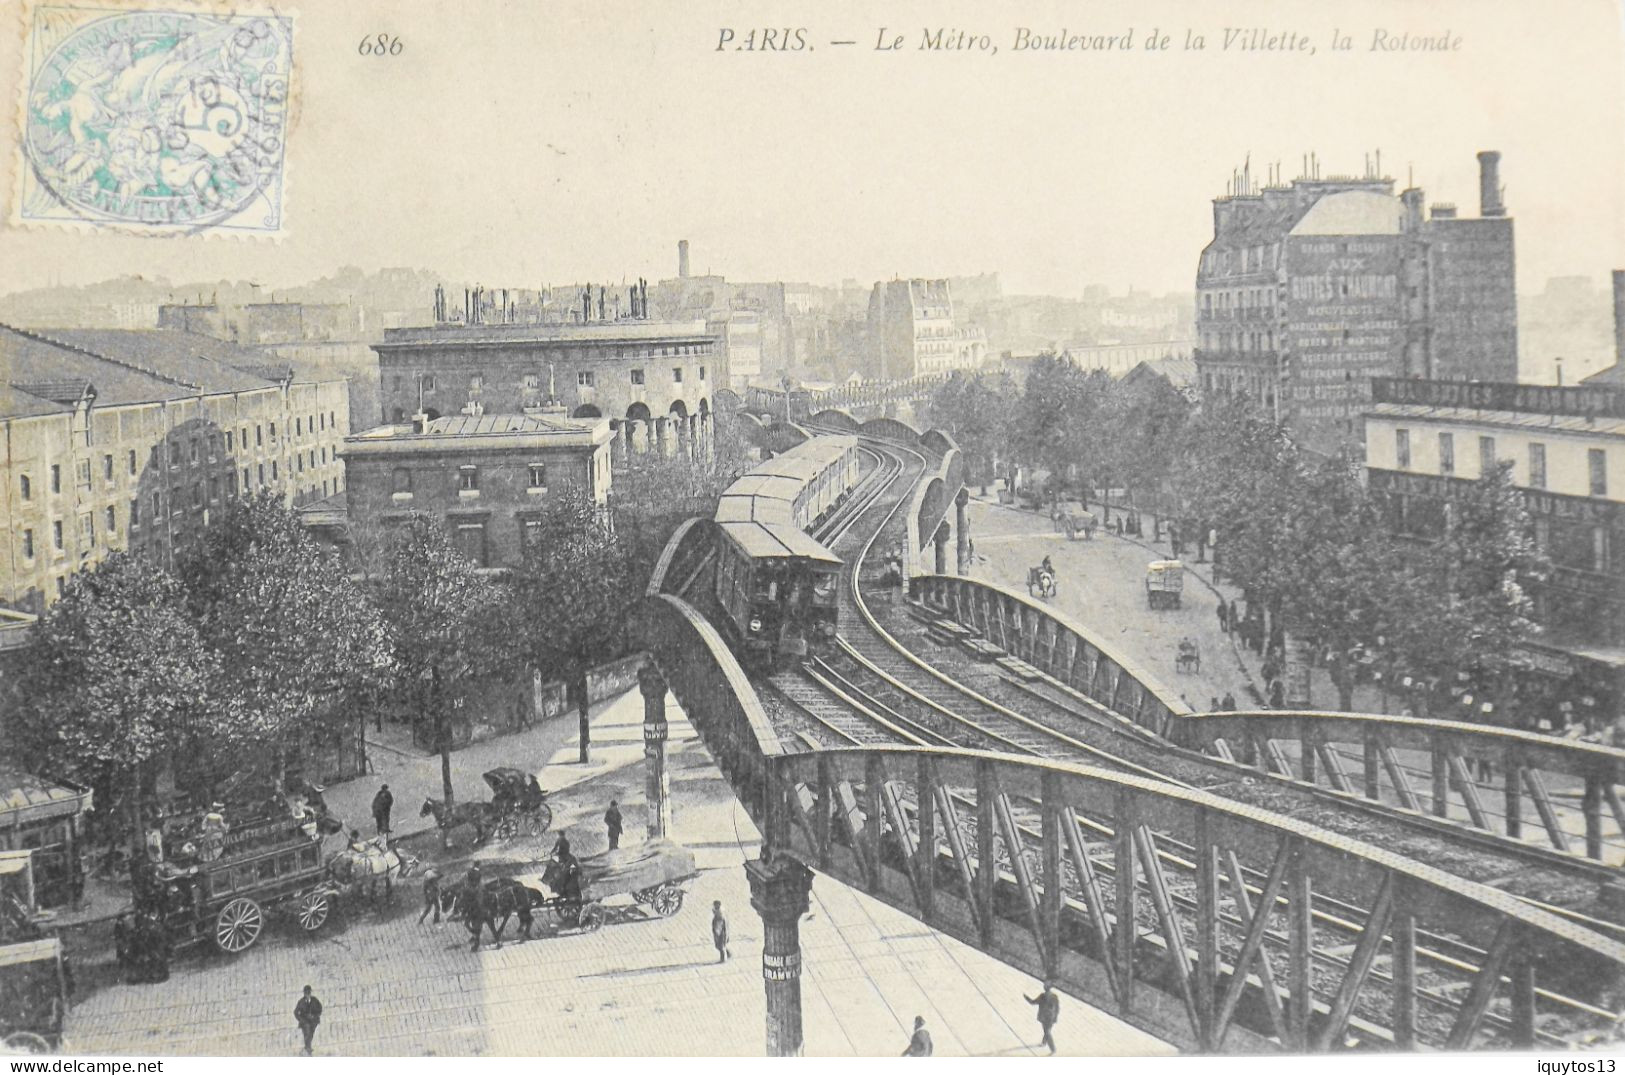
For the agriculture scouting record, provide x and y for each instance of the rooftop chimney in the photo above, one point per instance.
(1489, 184)
(682, 258)
(420, 423)
(1619, 315)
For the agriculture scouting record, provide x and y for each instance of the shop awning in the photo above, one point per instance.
(26, 799)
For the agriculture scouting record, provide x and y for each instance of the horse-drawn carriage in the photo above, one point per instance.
(1041, 580)
(517, 807)
(579, 892)
(519, 803)
(276, 864)
(33, 995)
(33, 970)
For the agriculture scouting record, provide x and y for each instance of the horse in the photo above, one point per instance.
(480, 815)
(501, 899)
(368, 864)
(1040, 582)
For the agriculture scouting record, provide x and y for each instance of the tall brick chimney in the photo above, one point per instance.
(1619, 315)
(682, 258)
(1489, 184)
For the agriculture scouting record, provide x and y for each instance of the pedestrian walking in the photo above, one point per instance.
(612, 822)
(1270, 670)
(1213, 705)
(1049, 1012)
(431, 895)
(1277, 695)
(1228, 702)
(308, 1014)
(719, 931)
(920, 1043)
(382, 803)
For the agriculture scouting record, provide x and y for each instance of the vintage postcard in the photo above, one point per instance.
(837, 530)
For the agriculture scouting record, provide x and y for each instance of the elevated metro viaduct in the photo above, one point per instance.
(1067, 871)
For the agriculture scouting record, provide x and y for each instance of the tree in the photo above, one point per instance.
(975, 410)
(300, 644)
(1343, 576)
(1145, 422)
(572, 590)
(448, 624)
(1055, 407)
(1468, 606)
(117, 674)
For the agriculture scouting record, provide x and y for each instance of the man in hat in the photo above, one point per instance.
(382, 803)
(1049, 1011)
(612, 822)
(308, 1014)
(719, 931)
(920, 1043)
(314, 799)
(431, 895)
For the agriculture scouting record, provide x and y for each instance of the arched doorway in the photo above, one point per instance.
(586, 410)
(638, 412)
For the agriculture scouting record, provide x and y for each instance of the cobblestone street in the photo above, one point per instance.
(638, 986)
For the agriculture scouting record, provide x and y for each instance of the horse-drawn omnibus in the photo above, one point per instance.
(271, 864)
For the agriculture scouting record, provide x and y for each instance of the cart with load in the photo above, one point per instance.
(1164, 581)
(651, 874)
(519, 803)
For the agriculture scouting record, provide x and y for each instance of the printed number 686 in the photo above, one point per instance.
(380, 45)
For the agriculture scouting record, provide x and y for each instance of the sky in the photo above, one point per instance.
(526, 142)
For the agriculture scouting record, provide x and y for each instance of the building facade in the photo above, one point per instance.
(912, 332)
(1308, 290)
(488, 478)
(653, 380)
(131, 440)
(1426, 440)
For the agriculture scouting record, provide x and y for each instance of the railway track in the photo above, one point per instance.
(873, 688)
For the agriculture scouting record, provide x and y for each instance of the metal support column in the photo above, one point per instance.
(657, 784)
(779, 890)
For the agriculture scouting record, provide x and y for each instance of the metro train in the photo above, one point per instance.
(775, 583)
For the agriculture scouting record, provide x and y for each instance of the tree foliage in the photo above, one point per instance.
(117, 677)
(447, 623)
(572, 589)
(300, 644)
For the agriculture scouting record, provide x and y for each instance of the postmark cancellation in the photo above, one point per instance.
(161, 122)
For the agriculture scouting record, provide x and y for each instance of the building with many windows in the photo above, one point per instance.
(1311, 288)
(131, 439)
(487, 477)
(1424, 440)
(652, 379)
(912, 332)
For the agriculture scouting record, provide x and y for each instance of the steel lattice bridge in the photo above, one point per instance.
(1074, 819)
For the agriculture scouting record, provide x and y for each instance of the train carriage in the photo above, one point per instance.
(778, 588)
(776, 584)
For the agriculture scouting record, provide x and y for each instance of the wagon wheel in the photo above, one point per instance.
(238, 925)
(668, 900)
(591, 918)
(505, 827)
(567, 913)
(645, 895)
(313, 910)
(26, 1041)
(539, 820)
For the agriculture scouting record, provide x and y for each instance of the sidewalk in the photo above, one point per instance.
(548, 749)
